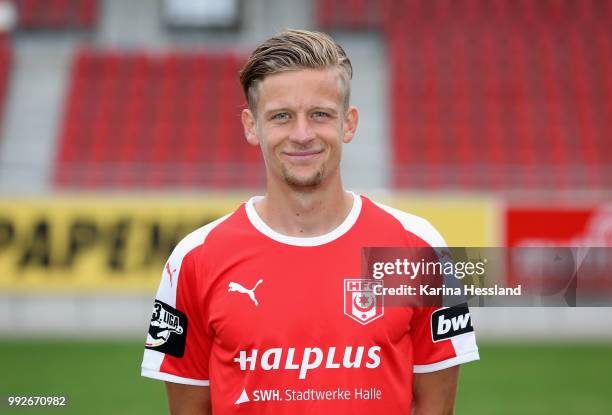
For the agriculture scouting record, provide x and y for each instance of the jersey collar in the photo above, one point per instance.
(344, 227)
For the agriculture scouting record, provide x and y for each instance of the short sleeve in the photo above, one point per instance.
(177, 348)
(442, 337)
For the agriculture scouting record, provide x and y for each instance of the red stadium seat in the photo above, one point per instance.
(57, 14)
(143, 120)
(5, 70)
(353, 14)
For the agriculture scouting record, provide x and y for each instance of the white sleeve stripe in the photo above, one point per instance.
(153, 374)
(416, 225)
(445, 364)
(464, 343)
(152, 359)
(166, 291)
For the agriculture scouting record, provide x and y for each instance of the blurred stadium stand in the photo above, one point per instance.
(56, 14)
(354, 15)
(5, 71)
(147, 120)
(504, 98)
(493, 95)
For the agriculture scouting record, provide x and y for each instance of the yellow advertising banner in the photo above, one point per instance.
(463, 221)
(115, 244)
(97, 243)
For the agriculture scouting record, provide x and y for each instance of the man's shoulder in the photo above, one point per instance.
(409, 222)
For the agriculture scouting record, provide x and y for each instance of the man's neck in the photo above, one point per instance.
(305, 212)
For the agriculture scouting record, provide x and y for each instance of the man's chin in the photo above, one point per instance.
(303, 182)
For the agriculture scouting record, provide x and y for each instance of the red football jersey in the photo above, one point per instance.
(270, 322)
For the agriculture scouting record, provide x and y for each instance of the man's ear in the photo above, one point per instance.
(351, 119)
(249, 125)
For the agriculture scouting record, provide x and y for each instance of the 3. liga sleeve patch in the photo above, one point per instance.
(168, 330)
(450, 322)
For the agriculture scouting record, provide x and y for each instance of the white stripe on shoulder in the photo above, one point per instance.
(155, 374)
(172, 269)
(416, 225)
(445, 364)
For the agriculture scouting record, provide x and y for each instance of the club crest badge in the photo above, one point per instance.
(361, 303)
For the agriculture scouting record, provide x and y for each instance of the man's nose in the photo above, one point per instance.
(302, 131)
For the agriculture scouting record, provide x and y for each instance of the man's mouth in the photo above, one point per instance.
(302, 155)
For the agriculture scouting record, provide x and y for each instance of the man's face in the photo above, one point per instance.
(300, 125)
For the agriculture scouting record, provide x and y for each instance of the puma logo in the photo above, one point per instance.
(170, 272)
(234, 286)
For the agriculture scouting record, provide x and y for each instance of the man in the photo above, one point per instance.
(250, 316)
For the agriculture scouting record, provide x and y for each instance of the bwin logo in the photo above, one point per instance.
(234, 286)
(456, 323)
(450, 322)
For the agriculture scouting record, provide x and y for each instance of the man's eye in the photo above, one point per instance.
(320, 114)
(283, 116)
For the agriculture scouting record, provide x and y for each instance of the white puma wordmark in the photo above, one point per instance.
(234, 286)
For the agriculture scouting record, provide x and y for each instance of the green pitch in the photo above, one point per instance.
(102, 377)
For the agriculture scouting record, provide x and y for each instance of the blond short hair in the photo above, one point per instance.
(294, 50)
